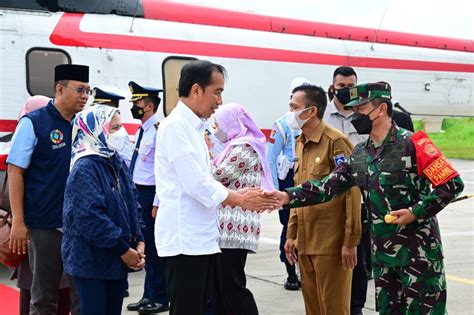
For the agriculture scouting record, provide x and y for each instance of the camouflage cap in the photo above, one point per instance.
(366, 92)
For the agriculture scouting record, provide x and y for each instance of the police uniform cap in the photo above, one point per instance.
(103, 97)
(139, 92)
(364, 93)
(71, 72)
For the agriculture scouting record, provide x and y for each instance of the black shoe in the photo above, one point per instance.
(136, 306)
(291, 285)
(126, 294)
(356, 312)
(152, 308)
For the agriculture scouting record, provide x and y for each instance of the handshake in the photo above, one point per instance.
(256, 199)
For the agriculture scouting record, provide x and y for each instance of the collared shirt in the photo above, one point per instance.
(143, 173)
(144, 166)
(322, 229)
(342, 123)
(189, 195)
(282, 141)
(23, 144)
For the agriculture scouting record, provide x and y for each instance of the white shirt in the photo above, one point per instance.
(189, 195)
(336, 120)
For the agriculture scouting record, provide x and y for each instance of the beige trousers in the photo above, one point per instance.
(326, 285)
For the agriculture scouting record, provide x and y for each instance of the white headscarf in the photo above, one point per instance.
(89, 132)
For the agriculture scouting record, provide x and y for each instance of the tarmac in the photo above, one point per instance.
(265, 272)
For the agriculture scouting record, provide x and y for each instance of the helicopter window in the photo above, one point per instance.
(40, 64)
(171, 70)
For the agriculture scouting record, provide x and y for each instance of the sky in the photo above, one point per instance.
(451, 18)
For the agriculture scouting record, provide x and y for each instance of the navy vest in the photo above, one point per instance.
(45, 178)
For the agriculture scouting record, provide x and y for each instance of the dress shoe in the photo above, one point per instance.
(136, 306)
(291, 285)
(126, 294)
(153, 308)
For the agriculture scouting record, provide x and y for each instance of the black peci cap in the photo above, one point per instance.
(71, 72)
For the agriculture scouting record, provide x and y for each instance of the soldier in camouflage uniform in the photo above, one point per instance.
(402, 174)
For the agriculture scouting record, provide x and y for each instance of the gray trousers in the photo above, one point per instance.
(44, 252)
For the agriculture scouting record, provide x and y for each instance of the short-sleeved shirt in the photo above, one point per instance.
(342, 123)
(23, 144)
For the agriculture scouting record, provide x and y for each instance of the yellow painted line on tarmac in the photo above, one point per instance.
(460, 280)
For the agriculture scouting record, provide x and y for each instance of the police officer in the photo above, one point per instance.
(106, 98)
(145, 104)
(281, 157)
(404, 175)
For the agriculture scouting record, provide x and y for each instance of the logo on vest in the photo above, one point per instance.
(57, 138)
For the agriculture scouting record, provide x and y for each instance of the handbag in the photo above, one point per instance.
(7, 257)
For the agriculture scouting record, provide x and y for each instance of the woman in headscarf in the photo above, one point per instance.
(23, 272)
(102, 237)
(241, 163)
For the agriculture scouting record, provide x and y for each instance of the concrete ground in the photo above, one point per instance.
(265, 272)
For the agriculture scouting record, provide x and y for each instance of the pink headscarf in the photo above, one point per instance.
(240, 128)
(33, 103)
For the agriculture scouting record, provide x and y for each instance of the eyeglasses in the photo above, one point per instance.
(80, 90)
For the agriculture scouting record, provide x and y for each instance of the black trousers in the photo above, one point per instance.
(155, 284)
(188, 280)
(284, 214)
(360, 275)
(233, 297)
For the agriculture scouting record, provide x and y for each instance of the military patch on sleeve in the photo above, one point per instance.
(439, 171)
(338, 159)
(431, 162)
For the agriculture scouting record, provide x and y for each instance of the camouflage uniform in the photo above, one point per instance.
(408, 259)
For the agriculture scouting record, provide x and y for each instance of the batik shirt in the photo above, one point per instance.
(239, 228)
(389, 177)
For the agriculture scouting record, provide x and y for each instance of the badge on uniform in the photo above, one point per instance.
(338, 159)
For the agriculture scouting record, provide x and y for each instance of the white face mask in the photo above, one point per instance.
(294, 121)
(220, 134)
(116, 140)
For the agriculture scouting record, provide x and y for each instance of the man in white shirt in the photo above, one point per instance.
(186, 230)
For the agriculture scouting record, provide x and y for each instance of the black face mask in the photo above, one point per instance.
(343, 95)
(137, 111)
(362, 122)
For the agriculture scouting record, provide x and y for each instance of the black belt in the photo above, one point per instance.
(145, 186)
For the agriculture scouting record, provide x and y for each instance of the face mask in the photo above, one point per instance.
(294, 121)
(220, 135)
(362, 122)
(343, 95)
(116, 140)
(137, 111)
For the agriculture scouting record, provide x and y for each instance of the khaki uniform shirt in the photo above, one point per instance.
(322, 229)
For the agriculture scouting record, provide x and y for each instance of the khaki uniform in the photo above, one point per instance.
(320, 231)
